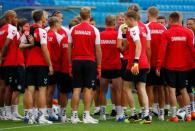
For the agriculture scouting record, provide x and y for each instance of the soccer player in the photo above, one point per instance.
(111, 66)
(138, 65)
(191, 80)
(65, 86)
(136, 8)
(162, 20)
(85, 60)
(176, 52)
(8, 58)
(54, 41)
(120, 19)
(154, 81)
(39, 65)
(22, 26)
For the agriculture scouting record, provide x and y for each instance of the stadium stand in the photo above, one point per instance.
(104, 7)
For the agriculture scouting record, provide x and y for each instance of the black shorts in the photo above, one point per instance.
(176, 79)
(141, 77)
(55, 78)
(65, 85)
(1, 73)
(84, 74)
(191, 78)
(20, 77)
(123, 68)
(37, 76)
(111, 74)
(97, 83)
(153, 79)
(9, 75)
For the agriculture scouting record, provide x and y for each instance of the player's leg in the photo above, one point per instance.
(181, 80)
(150, 90)
(171, 82)
(20, 85)
(97, 98)
(124, 100)
(161, 101)
(42, 80)
(112, 96)
(2, 93)
(117, 86)
(50, 93)
(103, 91)
(65, 88)
(77, 84)
(140, 80)
(89, 82)
(9, 80)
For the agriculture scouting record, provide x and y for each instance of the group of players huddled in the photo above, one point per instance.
(158, 61)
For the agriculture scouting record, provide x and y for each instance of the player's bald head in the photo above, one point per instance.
(85, 13)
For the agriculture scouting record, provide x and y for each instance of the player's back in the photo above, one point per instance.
(110, 54)
(83, 41)
(178, 41)
(156, 31)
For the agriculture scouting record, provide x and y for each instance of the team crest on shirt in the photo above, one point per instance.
(134, 33)
(13, 32)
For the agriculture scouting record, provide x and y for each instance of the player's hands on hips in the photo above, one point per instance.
(98, 69)
(51, 71)
(135, 67)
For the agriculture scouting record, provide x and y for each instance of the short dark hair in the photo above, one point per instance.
(110, 20)
(175, 16)
(134, 7)
(37, 15)
(55, 13)
(131, 14)
(191, 19)
(53, 20)
(161, 17)
(21, 22)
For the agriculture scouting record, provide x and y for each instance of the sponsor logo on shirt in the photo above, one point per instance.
(156, 31)
(178, 38)
(82, 32)
(108, 41)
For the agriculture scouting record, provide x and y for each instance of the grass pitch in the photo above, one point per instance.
(109, 125)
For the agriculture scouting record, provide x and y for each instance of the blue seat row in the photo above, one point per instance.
(183, 8)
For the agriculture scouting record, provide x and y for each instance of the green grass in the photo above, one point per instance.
(109, 125)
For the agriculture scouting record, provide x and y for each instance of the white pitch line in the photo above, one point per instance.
(27, 126)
